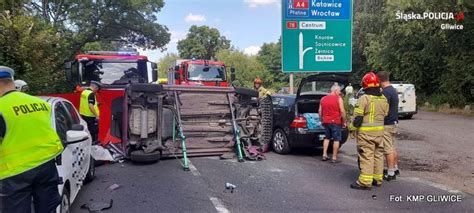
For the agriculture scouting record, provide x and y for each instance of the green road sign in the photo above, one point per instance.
(317, 35)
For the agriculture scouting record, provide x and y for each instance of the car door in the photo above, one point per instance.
(85, 147)
(69, 167)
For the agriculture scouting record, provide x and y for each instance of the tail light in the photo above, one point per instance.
(299, 122)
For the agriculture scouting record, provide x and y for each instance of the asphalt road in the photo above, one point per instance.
(436, 147)
(292, 183)
(435, 159)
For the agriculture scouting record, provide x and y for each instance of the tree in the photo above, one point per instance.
(30, 47)
(165, 63)
(439, 62)
(270, 56)
(202, 42)
(247, 68)
(36, 37)
(126, 21)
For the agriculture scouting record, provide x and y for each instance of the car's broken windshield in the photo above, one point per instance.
(199, 72)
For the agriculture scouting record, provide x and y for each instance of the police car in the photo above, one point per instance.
(75, 164)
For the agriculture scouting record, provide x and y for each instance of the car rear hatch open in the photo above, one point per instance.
(310, 92)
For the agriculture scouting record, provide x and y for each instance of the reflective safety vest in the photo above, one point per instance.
(373, 109)
(262, 92)
(84, 104)
(30, 139)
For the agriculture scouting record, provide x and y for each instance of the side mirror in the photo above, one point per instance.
(73, 136)
(68, 70)
(154, 72)
(77, 127)
(176, 68)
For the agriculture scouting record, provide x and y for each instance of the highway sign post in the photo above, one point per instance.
(316, 36)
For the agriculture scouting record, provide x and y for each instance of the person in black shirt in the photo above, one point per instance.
(390, 126)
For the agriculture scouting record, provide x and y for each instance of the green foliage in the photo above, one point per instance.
(30, 47)
(126, 21)
(36, 37)
(202, 42)
(247, 68)
(270, 56)
(165, 64)
(439, 62)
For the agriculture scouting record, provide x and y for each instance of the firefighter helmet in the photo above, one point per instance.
(257, 81)
(370, 80)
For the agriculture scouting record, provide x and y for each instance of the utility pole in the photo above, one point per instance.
(291, 83)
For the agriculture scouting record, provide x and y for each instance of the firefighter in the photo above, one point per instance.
(27, 166)
(89, 108)
(262, 92)
(369, 114)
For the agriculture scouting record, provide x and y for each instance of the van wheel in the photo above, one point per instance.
(410, 116)
(65, 202)
(91, 172)
(280, 142)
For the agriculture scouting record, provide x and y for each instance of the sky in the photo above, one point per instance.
(246, 23)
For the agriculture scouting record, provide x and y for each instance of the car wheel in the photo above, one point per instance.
(91, 172)
(280, 142)
(141, 156)
(65, 205)
(410, 116)
(266, 109)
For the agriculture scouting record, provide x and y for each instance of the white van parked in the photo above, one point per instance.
(75, 164)
(406, 99)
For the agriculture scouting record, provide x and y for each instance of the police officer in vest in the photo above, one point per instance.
(28, 146)
(369, 114)
(89, 108)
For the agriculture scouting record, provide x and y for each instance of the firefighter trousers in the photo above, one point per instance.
(370, 149)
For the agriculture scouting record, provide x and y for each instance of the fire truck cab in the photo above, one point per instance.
(114, 70)
(110, 68)
(194, 72)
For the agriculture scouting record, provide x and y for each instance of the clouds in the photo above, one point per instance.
(252, 50)
(176, 36)
(258, 3)
(194, 18)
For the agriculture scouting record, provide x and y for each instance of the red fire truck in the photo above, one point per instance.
(194, 72)
(115, 70)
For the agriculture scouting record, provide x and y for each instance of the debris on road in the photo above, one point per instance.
(97, 206)
(374, 197)
(99, 153)
(113, 187)
(230, 186)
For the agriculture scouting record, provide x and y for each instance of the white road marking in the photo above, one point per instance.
(433, 184)
(218, 205)
(193, 169)
(276, 170)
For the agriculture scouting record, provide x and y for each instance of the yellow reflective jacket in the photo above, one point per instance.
(84, 104)
(373, 109)
(30, 139)
(262, 92)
